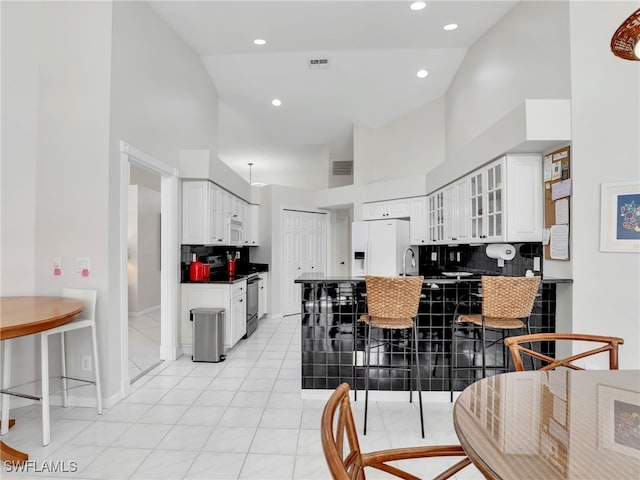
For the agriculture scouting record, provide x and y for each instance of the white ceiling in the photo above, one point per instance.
(374, 50)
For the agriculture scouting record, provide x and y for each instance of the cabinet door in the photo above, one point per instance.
(250, 225)
(494, 203)
(462, 220)
(476, 197)
(238, 318)
(418, 221)
(195, 213)
(450, 213)
(262, 295)
(254, 220)
(436, 217)
(400, 208)
(247, 226)
(374, 211)
(216, 217)
(523, 198)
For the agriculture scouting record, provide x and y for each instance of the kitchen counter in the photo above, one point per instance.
(219, 280)
(316, 277)
(333, 336)
(227, 279)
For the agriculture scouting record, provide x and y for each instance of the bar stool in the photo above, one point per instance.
(392, 305)
(507, 303)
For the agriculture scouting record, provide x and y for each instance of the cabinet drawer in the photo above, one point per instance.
(238, 289)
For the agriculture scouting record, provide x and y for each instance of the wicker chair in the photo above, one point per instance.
(347, 462)
(392, 304)
(516, 349)
(507, 303)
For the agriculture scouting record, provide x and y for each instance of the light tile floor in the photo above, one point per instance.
(239, 419)
(144, 343)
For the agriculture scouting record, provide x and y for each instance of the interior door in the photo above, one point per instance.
(304, 250)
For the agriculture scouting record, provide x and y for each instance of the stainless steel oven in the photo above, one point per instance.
(252, 303)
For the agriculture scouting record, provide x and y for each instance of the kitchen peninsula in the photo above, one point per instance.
(333, 338)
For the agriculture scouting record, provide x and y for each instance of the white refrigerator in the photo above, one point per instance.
(378, 248)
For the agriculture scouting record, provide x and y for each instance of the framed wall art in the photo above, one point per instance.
(619, 420)
(620, 217)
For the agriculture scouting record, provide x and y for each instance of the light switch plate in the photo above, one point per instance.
(56, 264)
(82, 266)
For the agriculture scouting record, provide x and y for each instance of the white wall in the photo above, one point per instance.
(162, 101)
(408, 145)
(19, 146)
(58, 109)
(525, 55)
(606, 122)
(18, 165)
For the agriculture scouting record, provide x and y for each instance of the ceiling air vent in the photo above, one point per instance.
(341, 168)
(318, 63)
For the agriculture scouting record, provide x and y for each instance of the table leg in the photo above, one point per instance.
(6, 383)
(8, 454)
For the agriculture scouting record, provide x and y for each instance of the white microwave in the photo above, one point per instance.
(235, 234)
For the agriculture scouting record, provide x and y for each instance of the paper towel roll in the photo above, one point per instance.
(501, 251)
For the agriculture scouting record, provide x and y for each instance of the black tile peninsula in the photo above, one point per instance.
(333, 338)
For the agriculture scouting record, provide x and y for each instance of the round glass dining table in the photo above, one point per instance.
(560, 424)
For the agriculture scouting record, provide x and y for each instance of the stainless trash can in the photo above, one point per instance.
(208, 334)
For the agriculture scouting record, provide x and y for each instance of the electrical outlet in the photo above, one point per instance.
(434, 256)
(536, 264)
(86, 363)
(457, 256)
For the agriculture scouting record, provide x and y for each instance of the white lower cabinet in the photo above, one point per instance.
(263, 307)
(231, 297)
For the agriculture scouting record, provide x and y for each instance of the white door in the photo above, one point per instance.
(342, 245)
(304, 250)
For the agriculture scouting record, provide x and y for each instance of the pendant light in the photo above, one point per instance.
(625, 43)
(250, 165)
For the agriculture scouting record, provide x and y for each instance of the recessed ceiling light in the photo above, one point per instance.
(451, 26)
(260, 41)
(417, 5)
(276, 102)
(422, 73)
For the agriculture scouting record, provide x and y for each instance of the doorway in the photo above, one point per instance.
(169, 261)
(143, 264)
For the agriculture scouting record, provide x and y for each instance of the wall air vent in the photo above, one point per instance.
(318, 63)
(340, 167)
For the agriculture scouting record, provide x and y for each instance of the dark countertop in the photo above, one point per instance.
(224, 279)
(315, 277)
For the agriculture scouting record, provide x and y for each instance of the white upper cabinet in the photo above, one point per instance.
(250, 222)
(506, 200)
(200, 213)
(435, 210)
(388, 209)
(418, 221)
(216, 219)
(211, 215)
(500, 202)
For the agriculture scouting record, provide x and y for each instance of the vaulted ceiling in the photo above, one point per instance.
(373, 49)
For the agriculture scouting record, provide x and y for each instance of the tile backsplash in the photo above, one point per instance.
(474, 258)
